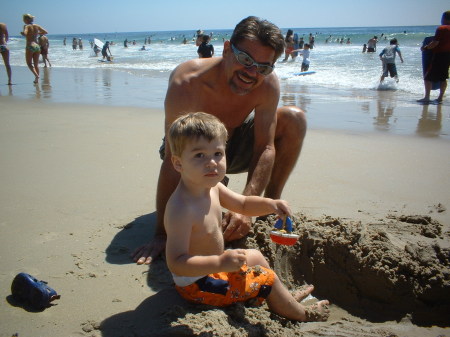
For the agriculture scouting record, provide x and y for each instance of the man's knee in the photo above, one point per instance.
(291, 120)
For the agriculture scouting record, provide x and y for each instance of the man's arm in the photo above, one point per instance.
(260, 168)
(265, 123)
(168, 176)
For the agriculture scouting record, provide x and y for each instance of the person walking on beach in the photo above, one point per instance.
(372, 45)
(387, 57)
(44, 44)
(32, 49)
(241, 89)
(205, 50)
(204, 271)
(4, 37)
(438, 70)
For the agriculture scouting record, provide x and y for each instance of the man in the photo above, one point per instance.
(438, 70)
(266, 144)
(105, 51)
(372, 45)
(4, 49)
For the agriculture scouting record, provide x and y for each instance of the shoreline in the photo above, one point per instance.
(362, 111)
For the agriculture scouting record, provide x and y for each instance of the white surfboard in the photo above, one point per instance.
(98, 43)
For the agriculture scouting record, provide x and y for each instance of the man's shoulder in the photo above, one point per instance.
(193, 70)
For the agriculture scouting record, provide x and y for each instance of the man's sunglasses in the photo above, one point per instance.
(248, 62)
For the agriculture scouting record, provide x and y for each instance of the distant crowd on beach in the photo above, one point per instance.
(295, 45)
(435, 56)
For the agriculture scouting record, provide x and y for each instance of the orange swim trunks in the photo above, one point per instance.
(252, 284)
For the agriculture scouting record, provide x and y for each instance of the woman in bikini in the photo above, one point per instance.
(4, 49)
(32, 49)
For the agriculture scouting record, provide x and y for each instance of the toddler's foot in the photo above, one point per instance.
(303, 292)
(318, 312)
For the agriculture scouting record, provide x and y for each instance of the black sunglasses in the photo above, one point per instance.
(248, 62)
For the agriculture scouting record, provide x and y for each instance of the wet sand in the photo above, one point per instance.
(343, 109)
(78, 195)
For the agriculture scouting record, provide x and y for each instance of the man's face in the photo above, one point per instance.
(244, 79)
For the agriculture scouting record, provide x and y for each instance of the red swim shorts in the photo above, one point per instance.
(225, 288)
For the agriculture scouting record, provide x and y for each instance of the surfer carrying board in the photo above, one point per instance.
(305, 53)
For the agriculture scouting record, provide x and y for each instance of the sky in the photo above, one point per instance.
(100, 16)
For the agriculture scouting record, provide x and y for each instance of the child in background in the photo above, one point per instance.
(305, 53)
(387, 57)
(203, 271)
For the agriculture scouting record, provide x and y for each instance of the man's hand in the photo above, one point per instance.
(145, 254)
(235, 226)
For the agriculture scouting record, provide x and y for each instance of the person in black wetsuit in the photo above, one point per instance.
(206, 49)
(105, 49)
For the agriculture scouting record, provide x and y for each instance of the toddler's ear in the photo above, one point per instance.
(176, 161)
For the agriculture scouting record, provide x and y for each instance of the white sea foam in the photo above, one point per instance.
(336, 65)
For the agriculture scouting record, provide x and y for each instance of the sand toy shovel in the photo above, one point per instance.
(282, 233)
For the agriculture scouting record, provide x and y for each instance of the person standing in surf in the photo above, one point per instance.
(32, 49)
(438, 70)
(4, 49)
(305, 52)
(206, 49)
(387, 57)
(105, 51)
(44, 44)
(372, 45)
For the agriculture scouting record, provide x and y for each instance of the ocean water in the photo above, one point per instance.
(336, 65)
(345, 78)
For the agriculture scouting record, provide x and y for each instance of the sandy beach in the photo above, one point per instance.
(78, 195)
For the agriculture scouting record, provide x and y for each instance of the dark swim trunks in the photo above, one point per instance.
(239, 149)
(438, 72)
(389, 68)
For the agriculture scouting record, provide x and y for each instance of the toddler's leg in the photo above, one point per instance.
(254, 257)
(284, 304)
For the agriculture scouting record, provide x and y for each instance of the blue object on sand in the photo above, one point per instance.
(27, 288)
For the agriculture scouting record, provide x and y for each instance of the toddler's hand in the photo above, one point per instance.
(232, 259)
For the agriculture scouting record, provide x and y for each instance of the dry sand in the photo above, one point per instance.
(78, 194)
